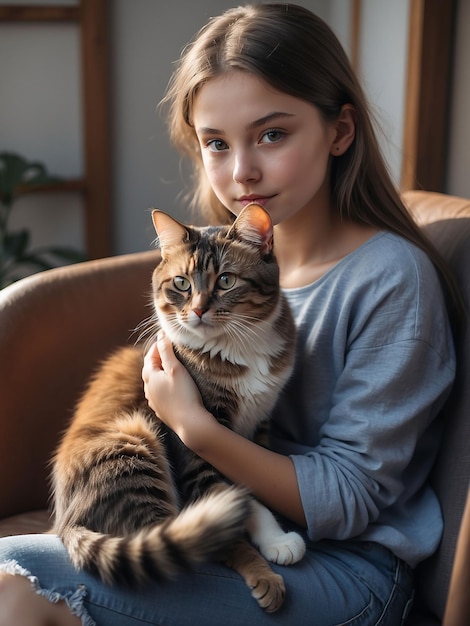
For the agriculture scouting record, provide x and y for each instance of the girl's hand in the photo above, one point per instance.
(170, 390)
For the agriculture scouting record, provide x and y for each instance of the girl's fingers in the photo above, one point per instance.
(166, 354)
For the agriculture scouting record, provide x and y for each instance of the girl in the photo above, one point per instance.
(267, 107)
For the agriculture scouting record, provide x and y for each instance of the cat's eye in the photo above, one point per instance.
(226, 281)
(181, 283)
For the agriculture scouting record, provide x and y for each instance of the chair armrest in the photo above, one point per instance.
(55, 326)
(457, 611)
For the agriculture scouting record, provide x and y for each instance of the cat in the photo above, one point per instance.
(131, 502)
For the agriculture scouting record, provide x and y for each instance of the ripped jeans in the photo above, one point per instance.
(353, 583)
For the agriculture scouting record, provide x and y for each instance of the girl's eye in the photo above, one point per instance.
(216, 145)
(226, 281)
(181, 283)
(272, 136)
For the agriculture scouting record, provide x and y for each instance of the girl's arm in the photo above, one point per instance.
(173, 395)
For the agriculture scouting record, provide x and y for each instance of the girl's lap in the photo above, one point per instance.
(335, 583)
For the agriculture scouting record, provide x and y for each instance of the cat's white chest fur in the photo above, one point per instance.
(257, 389)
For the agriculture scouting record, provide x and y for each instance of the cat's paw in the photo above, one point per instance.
(284, 549)
(268, 590)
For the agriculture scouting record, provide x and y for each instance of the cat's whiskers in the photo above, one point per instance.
(147, 330)
(241, 332)
(247, 325)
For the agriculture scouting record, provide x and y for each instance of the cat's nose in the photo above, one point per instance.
(199, 312)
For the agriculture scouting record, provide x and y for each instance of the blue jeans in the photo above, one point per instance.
(351, 583)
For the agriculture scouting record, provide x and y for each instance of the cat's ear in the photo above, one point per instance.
(169, 230)
(254, 225)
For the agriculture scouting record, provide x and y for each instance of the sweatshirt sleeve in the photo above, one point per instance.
(383, 405)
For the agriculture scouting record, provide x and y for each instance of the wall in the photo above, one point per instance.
(40, 118)
(40, 104)
(382, 66)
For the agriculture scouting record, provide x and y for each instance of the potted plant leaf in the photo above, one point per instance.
(17, 175)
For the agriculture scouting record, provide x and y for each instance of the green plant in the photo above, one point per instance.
(18, 175)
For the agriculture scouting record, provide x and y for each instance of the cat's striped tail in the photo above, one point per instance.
(202, 531)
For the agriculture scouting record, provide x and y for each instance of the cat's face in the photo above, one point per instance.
(215, 281)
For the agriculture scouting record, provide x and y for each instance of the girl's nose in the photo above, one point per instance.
(245, 169)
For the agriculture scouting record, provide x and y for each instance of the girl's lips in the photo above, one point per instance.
(254, 199)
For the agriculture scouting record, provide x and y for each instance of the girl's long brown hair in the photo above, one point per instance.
(297, 53)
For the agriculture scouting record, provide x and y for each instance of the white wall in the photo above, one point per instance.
(40, 118)
(40, 104)
(383, 60)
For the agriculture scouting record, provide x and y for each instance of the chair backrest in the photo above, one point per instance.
(446, 220)
(55, 327)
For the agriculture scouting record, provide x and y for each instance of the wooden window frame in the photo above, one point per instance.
(431, 38)
(95, 185)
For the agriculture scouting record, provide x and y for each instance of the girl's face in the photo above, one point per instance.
(260, 144)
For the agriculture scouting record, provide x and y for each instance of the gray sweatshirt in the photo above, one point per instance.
(375, 362)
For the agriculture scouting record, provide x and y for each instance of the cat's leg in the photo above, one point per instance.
(273, 542)
(266, 586)
(117, 481)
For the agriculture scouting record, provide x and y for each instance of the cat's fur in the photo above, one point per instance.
(131, 502)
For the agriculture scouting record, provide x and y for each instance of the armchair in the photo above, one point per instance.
(55, 327)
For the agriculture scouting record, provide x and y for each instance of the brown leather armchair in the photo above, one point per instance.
(55, 327)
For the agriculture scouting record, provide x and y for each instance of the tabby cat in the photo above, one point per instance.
(131, 502)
